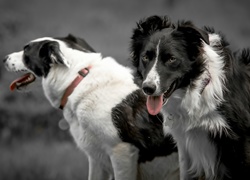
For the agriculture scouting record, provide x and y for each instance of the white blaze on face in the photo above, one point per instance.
(155, 102)
(153, 76)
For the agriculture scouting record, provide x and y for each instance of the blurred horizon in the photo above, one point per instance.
(107, 25)
(30, 136)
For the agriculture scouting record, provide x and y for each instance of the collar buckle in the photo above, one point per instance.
(84, 72)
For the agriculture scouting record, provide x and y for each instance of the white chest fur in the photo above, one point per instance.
(197, 155)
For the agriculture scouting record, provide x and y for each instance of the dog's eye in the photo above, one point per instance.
(144, 58)
(171, 59)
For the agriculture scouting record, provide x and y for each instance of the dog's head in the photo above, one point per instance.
(38, 56)
(166, 56)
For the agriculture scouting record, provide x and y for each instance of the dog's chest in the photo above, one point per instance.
(90, 108)
(197, 153)
(195, 144)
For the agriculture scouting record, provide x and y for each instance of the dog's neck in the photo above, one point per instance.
(205, 82)
(81, 74)
(202, 99)
(60, 77)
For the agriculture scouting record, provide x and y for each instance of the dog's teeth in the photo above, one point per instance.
(30, 78)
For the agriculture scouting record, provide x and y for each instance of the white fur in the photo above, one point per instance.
(194, 115)
(15, 63)
(201, 107)
(88, 110)
(153, 75)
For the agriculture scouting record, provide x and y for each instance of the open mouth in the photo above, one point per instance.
(22, 82)
(155, 103)
(170, 90)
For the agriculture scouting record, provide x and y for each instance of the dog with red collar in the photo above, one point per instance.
(103, 105)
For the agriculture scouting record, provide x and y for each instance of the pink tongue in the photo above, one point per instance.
(14, 85)
(154, 104)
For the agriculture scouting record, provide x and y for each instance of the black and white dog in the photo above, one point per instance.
(104, 107)
(203, 90)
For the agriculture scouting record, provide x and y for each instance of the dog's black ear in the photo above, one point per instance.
(81, 42)
(193, 36)
(50, 52)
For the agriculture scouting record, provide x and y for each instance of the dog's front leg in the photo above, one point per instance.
(124, 158)
(96, 172)
(184, 165)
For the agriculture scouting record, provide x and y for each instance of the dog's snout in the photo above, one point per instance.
(149, 88)
(5, 59)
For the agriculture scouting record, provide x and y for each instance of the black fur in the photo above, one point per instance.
(136, 126)
(184, 42)
(181, 41)
(77, 43)
(234, 150)
(38, 56)
(144, 29)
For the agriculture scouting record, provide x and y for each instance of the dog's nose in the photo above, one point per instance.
(5, 58)
(149, 88)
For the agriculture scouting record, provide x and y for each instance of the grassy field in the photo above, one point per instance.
(38, 160)
(32, 146)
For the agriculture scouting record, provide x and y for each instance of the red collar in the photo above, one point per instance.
(81, 74)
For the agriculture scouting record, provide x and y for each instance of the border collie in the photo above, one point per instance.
(202, 89)
(104, 107)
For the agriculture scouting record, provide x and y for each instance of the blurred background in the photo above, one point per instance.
(34, 142)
